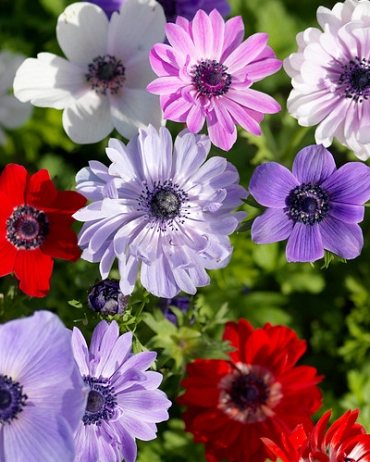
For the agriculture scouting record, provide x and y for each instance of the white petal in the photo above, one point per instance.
(136, 29)
(49, 81)
(82, 32)
(133, 109)
(88, 120)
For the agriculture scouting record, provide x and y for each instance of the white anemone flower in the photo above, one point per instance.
(13, 113)
(102, 83)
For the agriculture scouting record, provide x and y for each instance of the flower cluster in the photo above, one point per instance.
(159, 220)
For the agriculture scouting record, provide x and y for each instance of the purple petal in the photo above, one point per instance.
(246, 52)
(234, 34)
(203, 34)
(80, 351)
(343, 239)
(313, 164)
(271, 184)
(272, 226)
(346, 212)
(304, 244)
(350, 184)
(37, 435)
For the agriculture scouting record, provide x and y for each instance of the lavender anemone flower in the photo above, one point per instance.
(123, 401)
(102, 84)
(172, 8)
(331, 77)
(315, 207)
(42, 395)
(205, 74)
(162, 208)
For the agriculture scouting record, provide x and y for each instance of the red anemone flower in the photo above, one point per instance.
(35, 227)
(259, 392)
(345, 441)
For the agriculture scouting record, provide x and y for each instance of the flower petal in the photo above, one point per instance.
(313, 164)
(350, 184)
(343, 239)
(82, 32)
(304, 244)
(271, 184)
(272, 226)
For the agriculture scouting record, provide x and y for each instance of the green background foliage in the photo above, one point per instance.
(327, 304)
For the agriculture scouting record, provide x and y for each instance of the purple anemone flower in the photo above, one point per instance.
(42, 395)
(123, 401)
(172, 8)
(315, 206)
(205, 74)
(160, 208)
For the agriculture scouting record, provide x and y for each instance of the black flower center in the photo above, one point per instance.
(356, 79)
(163, 204)
(101, 401)
(249, 392)
(169, 7)
(12, 399)
(211, 79)
(27, 227)
(106, 73)
(307, 204)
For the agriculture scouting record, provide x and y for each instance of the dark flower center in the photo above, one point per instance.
(12, 399)
(27, 227)
(106, 73)
(249, 392)
(307, 204)
(169, 7)
(356, 79)
(211, 79)
(163, 204)
(101, 401)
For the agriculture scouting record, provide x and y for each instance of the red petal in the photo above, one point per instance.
(41, 191)
(8, 254)
(68, 202)
(13, 181)
(33, 268)
(61, 242)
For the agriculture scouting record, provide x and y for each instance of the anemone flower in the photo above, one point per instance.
(123, 401)
(42, 396)
(101, 85)
(331, 77)
(315, 206)
(205, 74)
(258, 392)
(35, 221)
(162, 209)
(345, 440)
